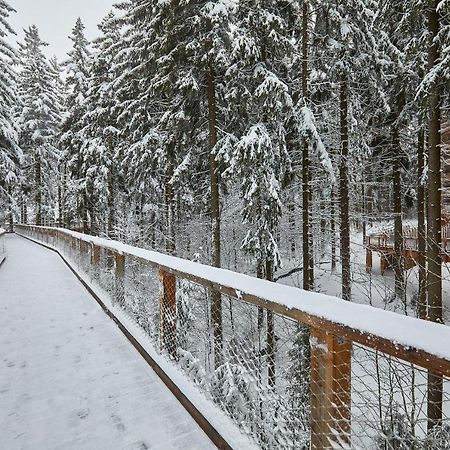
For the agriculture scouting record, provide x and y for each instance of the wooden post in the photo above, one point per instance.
(330, 391)
(168, 314)
(119, 291)
(95, 255)
(383, 263)
(83, 247)
(369, 262)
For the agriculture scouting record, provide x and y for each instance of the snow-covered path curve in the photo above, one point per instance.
(68, 378)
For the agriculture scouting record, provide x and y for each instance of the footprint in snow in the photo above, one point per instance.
(118, 422)
(83, 413)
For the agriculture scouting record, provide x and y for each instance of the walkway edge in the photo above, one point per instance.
(192, 410)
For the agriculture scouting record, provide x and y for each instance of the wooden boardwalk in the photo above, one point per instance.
(69, 379)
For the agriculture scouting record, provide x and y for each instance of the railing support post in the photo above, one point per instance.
(119, 291)
(368, 260)
(330, 391)
(168, 314)
(95, 255)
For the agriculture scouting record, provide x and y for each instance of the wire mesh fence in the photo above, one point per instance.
(285, 384)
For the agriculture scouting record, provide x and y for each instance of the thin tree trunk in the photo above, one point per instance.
(434, 226)
(170, 204)
(333, 231)
(65, 214)
(270, 332)
(91, 209)
(398, 226)
(84, 211)
(308, 270)
(216, 299)
(110, 202)
(38, 194)
(343, 191)
(110, 199)
(10, 211)
(292, 212)
(421, 232)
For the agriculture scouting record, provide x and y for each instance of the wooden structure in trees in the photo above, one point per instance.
(382, 242)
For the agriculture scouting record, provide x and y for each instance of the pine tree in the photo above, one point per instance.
(353, 61)
(100, 132)
(38, 118)
(10, 153)
(76, 67)
(258, 152)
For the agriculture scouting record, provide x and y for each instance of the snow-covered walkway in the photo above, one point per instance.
(68, 378)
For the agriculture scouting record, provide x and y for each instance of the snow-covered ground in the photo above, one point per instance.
(68, 378)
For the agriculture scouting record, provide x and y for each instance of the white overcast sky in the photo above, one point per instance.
(56, 18)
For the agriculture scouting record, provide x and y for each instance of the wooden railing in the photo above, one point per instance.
(384, 240)
(295, 368)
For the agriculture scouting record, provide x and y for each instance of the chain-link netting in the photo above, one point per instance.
(284, 384)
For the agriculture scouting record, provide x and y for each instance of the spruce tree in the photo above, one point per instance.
(76, 66)
(100, 132)
(39, 116)
(10, 152)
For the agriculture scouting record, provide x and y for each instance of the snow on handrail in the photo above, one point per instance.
(418, 341)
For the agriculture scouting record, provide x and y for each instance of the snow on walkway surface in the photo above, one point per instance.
(69, 379)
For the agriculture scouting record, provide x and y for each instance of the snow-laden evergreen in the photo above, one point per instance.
(10, 152)
(100, 129)
(77, 69)
(39, 118)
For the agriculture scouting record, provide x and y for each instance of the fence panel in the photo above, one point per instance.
(289, 379)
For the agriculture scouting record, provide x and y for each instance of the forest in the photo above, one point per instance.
(269, 137)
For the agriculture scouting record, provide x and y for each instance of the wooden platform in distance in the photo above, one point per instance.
(383, 244)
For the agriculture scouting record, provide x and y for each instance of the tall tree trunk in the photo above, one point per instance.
(23, 210)
(270, 332)
(343, 191)
(333, 230)
(170, 202)
(110, 199)
(59, 202)
(398, 226)
(65, 212)
(91, 209)
(421, 232)
(434, 226)
(110, 203)
(10, 211)
(308, 268)
(38, 191)
(292, 225)
(84, 211)
(216, 299)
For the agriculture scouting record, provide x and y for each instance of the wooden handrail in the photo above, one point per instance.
(388, 343)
